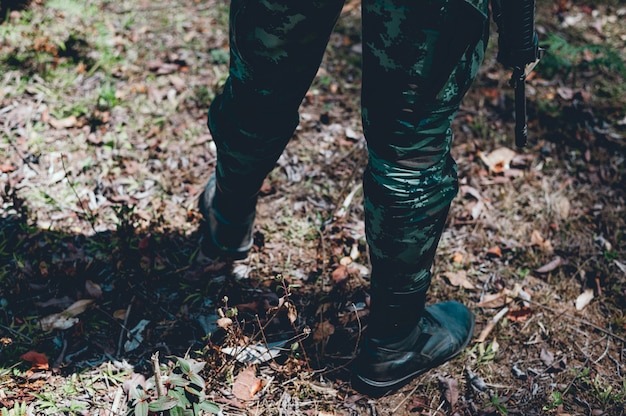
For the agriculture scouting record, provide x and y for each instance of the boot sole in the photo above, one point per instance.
(375, 389)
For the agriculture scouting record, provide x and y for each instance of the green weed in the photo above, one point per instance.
(497, 404)
(564, 57)
(556, 400)
(18, 409)
(183, 395)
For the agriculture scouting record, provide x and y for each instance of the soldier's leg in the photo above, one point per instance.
(419, 60)
(276, 47)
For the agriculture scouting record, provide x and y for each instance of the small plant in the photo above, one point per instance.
(19, 409)
(556, 401)
(485, 354)
(180, 392)
(564, 55)
(497, 404)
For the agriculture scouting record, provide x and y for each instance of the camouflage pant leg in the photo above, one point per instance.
(419, 59)
(276, 47)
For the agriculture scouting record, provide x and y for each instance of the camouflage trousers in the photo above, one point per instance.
(419, 59)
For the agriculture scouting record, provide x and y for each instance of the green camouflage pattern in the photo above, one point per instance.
(419, 59)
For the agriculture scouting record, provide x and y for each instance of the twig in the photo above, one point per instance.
(571, 383)
(160, 388)
(324, 259)
(116, 401)
(358, 320)
(492, 324)
(606, 350)
(14, 332)
(124, 327)
(88, 212)
(57, 363)
(406, 397)
(343, 209)
(582, 321)
(412, 394)
(17, 150)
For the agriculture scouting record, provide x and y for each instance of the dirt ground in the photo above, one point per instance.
(105, 152)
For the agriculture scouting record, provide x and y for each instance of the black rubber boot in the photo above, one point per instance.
(224, 238)
(406, 339)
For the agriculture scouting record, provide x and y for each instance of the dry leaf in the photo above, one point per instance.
(246, 384)
(323, 331)
(345, 261)
(67, 318)
(340, 274)
(224, 322)
(120, 314)
(536, 239)
(450, 390)
(458, 258)
(556, 262)
(6, 167)
(499, 160)
(38, 360)
(292, 312)
(78, 307)
(495, 251)
(477, 209)
(177, 82)
(584, 299)
(57, 321)
(255, 354)
(520, 315)
(64, 123)
(459, 279)
(468, 190)
(547, 357)
(494, 300)
(562, 207)
(93, 289)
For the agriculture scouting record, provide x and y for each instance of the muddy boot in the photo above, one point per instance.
(406, 339)
(225, 235)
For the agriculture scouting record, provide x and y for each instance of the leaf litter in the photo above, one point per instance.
(99, 187)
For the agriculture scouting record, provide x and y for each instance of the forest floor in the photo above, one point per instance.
(104, 152)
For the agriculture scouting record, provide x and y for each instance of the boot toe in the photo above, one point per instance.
(458, 320)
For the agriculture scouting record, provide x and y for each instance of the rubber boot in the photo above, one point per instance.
(405, 339)
(225, 237)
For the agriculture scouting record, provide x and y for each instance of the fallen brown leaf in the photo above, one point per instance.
(450, 390)
(93, 289)
(547, 357)
(547, 268)
(520, 315)
(63, 123)
(584, 299)
(246, 384)
(495, 251)
(323, 331)
(493, 300)
(6, 167)
(224, 322)
(292, 312)
(38, 360)
(498, 160)
(458, 257)
(340, 274)
(120, 314)
(459, 279)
